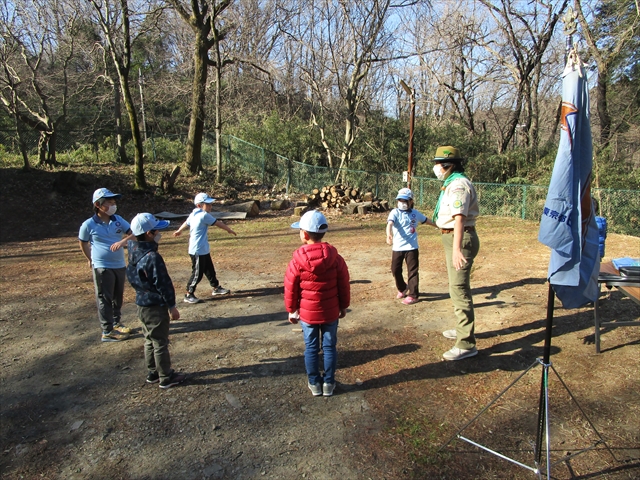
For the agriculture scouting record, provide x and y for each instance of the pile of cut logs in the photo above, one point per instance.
(350, 199)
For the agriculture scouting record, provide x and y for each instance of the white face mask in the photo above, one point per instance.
(403, 205)
(438, 171)
(112, 210)
(157, 237)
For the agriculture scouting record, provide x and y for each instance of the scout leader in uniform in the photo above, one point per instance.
(455, 214)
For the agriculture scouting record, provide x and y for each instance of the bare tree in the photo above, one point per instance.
(114, 18)
(615, 25)
(205, 20)
(522, 37)
(36, 54)
(341, 42)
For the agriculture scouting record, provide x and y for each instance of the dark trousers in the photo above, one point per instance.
(155, 327)
(201, 265)
(109, 286)
(413, 264)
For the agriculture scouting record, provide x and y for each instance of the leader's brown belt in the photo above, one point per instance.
(450, 230)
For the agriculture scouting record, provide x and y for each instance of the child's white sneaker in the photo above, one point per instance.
(315, 389)
(327, 389)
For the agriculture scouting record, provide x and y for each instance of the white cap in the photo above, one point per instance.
(104, 193)
(312, 221)
(145, 222)
(203, 198)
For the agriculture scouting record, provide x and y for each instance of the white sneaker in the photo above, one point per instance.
(452, 334)
(327, 389)
(220, 291)
(458, 353)
(315, 389)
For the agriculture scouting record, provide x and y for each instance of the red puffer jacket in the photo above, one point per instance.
(317, 283)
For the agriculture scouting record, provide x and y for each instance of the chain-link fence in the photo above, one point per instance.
(620, 207)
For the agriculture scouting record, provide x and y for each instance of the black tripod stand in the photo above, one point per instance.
(543, 409)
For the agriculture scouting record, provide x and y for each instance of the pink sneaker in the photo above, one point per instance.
(400, 295)
(409, 300)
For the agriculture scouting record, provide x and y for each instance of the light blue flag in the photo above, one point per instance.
(568, 224)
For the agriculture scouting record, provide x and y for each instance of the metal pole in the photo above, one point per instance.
(542, 404)
(412, 96)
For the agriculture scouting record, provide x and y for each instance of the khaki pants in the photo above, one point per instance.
(460, 287)
(155, 327)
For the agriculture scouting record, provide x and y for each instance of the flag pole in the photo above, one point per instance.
(570, 28)
(543, 404)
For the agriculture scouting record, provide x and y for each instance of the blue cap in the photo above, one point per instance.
(203, 198)
(404, 194)
(104, 193)
(145, 222)
(312, 221)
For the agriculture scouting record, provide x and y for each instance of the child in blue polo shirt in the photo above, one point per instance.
(402, 234)
(201, 264)
(101, 240)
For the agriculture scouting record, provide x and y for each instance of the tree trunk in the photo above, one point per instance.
(121, 151)
(196, 125)
(603, 109)
(139, 180)
(51, 151)
(43, 149)
(218, 124)
(22, 145)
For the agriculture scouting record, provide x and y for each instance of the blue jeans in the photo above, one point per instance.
(311, 335)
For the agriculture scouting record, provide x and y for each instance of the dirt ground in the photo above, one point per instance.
(75, 408)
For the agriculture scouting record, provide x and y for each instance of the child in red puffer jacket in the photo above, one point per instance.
(317, 293)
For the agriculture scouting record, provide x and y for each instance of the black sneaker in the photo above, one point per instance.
(190, 298)
(153, 377)
(219, 290)
(173, 380)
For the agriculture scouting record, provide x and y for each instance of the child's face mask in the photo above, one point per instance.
(402, 205)
(157, 237)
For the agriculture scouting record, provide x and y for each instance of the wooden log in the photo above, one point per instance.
(169, 179)
(315, 191)
(252, 208)
(350, 209)
(364, 208)
(385, 205)
(300, 210)
(280, 204)
(367, 197)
